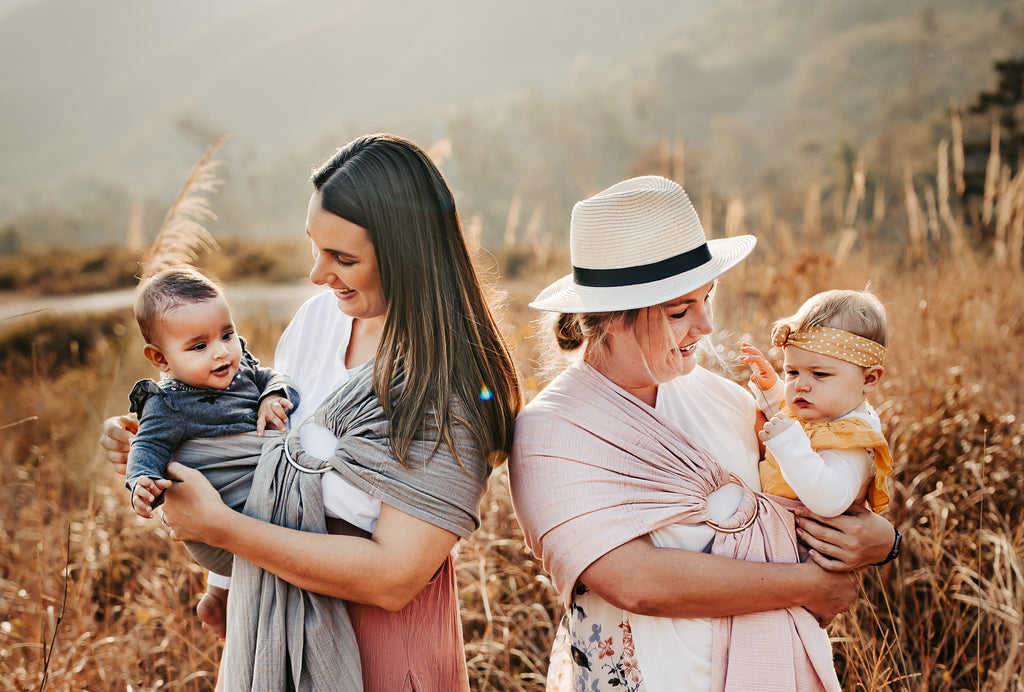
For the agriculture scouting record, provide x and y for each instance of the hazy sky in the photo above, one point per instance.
(100, 89)
(119, 97)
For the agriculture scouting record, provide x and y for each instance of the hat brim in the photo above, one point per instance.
(565, 295)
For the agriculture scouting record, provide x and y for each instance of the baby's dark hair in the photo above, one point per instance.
(857, 312)
(169, 289)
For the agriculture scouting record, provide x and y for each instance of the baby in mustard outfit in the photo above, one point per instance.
(823, 440)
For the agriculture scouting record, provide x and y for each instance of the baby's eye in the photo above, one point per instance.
(228, 336)
(198, 347)
(822, 375)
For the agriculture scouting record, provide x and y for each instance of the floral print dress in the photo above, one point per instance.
(594, 649)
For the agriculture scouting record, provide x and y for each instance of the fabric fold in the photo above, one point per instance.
(228, 462)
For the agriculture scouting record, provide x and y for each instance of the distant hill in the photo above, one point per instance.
(107, 103)
(755, 97)
(795, 79)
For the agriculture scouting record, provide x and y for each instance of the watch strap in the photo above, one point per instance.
(895, 552)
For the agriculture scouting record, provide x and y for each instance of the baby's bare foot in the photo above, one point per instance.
(213, 611)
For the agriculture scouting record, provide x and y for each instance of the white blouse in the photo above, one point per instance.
(311, 351)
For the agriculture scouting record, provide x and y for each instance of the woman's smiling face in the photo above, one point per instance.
(661, 345)
(688, 320)
(345, 260)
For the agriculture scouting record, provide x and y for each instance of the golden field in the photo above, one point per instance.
(94, 598)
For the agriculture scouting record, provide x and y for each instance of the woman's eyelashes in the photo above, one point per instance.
(682, 313)
(336, 257)
(339, 259)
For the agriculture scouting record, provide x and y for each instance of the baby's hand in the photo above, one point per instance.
(273, 411)
(762, 373)
(147, 491)
(778, 423)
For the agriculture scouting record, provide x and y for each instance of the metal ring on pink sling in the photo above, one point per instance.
(746, 524)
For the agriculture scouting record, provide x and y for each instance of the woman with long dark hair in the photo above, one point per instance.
(419, 397)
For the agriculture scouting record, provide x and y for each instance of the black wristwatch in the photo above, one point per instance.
(895, 552)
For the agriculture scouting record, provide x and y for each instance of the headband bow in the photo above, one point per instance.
(829, 341)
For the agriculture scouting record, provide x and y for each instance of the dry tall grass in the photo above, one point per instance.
(945, 616)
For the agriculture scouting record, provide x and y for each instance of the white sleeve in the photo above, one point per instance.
(828, 481)
(218, 580)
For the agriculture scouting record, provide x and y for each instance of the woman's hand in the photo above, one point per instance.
(388, 570)
(832, 594)
(851, 541)
(118, 433)
(192, 506)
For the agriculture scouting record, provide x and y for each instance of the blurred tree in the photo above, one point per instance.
(10, 241)
(1005, 106)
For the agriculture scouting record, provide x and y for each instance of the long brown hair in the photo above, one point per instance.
(438, 327)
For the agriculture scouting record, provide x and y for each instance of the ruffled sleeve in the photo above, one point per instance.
(141, 392)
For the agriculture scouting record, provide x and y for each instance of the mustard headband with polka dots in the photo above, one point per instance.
(829, 341)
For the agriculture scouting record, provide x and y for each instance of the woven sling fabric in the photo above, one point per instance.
(228, 462)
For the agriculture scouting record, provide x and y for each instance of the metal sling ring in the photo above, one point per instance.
(746, 524)
(299, 467)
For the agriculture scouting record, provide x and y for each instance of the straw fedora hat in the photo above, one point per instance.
(637, 244)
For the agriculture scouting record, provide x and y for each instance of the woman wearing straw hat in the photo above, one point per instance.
(634, 475)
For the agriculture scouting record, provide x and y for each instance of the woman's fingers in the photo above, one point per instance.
(828, 563)
(190, 503)
(851, 541)
(827, 546)
(118, 433)
(179, 472)
(837, 592)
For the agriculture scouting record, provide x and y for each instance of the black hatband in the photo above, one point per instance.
(643, 273)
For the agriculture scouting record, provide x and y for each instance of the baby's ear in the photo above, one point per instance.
(872, 376)
(155, 356)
